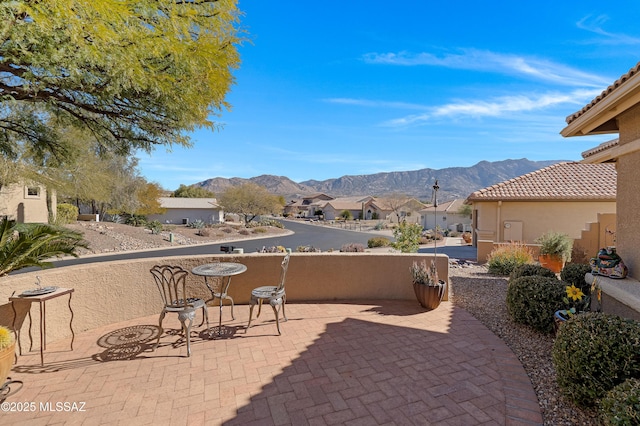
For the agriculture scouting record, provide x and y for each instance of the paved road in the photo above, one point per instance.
(323, 237)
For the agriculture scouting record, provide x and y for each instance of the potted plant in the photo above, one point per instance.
(428, 288)
(7, 353)
(555, 250)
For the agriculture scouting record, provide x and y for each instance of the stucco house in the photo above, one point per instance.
(617, 110)
(564, 197)
(186, 210)
(26, 203)
(332, 209)
(446, 216)
(306, 206)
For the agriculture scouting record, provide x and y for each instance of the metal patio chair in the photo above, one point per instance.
(171, 282)
(274, 294)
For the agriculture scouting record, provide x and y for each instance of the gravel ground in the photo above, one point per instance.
(472, 288)
(483, 296)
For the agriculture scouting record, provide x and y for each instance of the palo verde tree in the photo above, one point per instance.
(136, 74)
(191, 191)
(250, 200)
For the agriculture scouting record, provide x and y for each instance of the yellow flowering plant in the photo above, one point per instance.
(576, 300)
(6, 337)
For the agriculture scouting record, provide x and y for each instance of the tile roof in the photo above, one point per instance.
(619, 82)
(562, 182)
(600, 148)
(188, 203)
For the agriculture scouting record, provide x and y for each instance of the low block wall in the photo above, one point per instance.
(110, 292)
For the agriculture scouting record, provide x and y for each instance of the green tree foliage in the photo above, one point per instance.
(185, 191)
(407, 237)
(148, 197)
(137, 74)
(250, 200)
(346, 215)
(29, 244)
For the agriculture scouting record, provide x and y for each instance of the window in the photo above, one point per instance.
(32, 192)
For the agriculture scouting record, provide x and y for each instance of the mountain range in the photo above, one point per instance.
(454, 182)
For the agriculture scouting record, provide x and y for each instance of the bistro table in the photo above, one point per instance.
(40, 296)
(224, 271)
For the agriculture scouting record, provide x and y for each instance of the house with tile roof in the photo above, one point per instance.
(186, 210)
(617, 110)
(446, 216)
(563, 198)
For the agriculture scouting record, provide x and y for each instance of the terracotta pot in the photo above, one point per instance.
(551, 261)
(7, 356)
(430, 296)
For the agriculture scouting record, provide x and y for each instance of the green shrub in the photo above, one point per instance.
(378, 242)
(573, 273)
(407, 237)
(533, 301)
(136, 220)
(530, 270)
(504, 259)
(67, 213)
(259, 230)
(621, 405)
(155, 227)
(593, 353)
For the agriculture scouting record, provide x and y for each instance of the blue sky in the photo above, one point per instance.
(335, 88)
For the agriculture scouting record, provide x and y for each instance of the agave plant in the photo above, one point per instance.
(32, 244)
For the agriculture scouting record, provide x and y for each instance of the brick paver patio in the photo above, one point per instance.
(363, 363)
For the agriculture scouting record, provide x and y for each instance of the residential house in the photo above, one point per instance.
(186, 210)
(446, 216)
(617, 110)
(307, 206)
(564, 197)
(26, 203)
(332, 209)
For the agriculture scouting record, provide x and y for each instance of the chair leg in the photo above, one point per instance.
(231, 298)
(162, 314)
(253, 303)
(284, 302)
(275, 311)
(186, 329)
(205, 316)
(259, 307)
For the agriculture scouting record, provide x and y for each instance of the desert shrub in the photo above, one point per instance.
(573, 273)
(621, 405)
(244, 232)
(227, 230)
(205, 232)
(407, 237)
(259, 230)
(346, 215)
(308, 249)
(379, 226)
(67, 213)
(533, 301)
(136, 220)
(530, 270)
(378, 242)
(155, 226)
(352, 247)
(265, 222)
(593, 353)
(196, 224)
(504, 258)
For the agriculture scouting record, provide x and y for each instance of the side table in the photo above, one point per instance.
(41, 300)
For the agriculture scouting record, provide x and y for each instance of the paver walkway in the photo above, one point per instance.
(363, 363)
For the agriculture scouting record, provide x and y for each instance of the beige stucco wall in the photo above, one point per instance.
(538, 217)
(628, 168)
(110, 292)
(16, 204)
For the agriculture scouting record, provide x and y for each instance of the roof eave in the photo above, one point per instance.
(601, 117)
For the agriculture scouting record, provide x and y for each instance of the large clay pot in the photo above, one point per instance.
(551, 261)
(430, 296)
(7, 356)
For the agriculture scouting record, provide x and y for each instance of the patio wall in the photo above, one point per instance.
(110, 292)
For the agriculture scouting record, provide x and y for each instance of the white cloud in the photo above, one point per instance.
(375, 103)
(496, 107)
(486, 61)
(594, 24)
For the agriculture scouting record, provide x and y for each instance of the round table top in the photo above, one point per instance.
(219, 269)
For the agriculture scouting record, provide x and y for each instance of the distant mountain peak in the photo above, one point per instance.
(454, 182)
